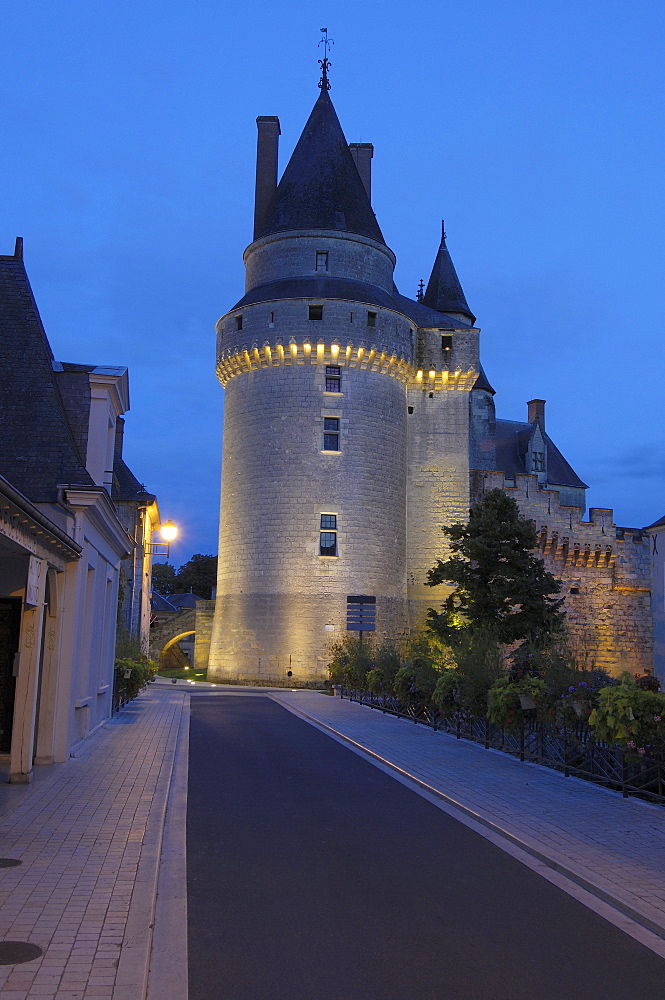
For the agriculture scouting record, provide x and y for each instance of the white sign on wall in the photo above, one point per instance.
(35, 567)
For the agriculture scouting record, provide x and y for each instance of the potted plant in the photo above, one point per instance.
(509, 699)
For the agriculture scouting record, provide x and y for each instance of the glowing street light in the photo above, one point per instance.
(168, 531)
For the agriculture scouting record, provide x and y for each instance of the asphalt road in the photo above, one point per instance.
(313, 875)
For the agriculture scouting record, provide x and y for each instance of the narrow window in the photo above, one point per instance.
(328, 536)
(272, 318)
(509, 481)
(410, 409)
(316, 312)
(371, 319)
(239, 322)
(538, 461)
(446, 341)
(321, 260)
(333, 378)
(331, 434)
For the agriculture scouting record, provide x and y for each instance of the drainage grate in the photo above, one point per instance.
(9, 862)
(16, 952)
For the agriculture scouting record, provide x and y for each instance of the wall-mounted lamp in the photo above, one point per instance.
(168, 532)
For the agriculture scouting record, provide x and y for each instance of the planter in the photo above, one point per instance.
(527, 702)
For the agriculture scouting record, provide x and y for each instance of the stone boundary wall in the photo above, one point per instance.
(605, 570)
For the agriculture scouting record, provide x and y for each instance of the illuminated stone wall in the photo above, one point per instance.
(605, 571)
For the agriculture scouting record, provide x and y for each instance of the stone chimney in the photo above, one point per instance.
(267, 144)
(119, 435)
(537, 412)
(362, 153)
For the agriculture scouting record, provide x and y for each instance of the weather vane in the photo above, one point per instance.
(325, 63)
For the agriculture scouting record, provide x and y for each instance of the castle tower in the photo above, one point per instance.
(314, 360)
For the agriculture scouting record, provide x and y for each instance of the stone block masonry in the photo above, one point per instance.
(605, 572)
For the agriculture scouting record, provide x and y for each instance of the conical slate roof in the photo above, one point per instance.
(444, 291)
(37, 448)
(321, 187)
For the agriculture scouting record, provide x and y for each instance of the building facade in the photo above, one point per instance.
(62, 540)
(359, 422)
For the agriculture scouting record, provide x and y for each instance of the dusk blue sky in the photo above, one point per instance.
(534, 129)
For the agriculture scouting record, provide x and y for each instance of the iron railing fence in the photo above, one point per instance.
(571, 750)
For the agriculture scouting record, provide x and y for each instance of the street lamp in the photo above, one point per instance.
(168, 532)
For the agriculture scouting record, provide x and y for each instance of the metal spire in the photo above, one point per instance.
(325, 63)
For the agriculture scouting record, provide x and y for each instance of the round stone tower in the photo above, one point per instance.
(315, 360)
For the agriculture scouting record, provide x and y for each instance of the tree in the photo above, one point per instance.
(502, 589)
(198, 575)
(163, 579)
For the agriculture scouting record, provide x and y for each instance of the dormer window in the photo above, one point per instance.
(321, 260)
(538, 461)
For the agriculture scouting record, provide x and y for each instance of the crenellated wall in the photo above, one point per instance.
(605, 570)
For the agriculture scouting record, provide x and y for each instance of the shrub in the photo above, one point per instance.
(425, 659)
(630, 716)
(131, 676)
(387, 662)
(351, 662)
(505, 700)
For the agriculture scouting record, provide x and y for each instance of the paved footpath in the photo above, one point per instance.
(101, 840)
(88, 834)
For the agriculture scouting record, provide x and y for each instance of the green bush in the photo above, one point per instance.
(630, 716)
(387, 661)
(505, 700)
(351, 662)
(426, 658)
(131, 676)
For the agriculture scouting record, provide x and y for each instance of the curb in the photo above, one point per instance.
(524, 845)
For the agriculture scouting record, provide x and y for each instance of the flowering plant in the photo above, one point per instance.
(508, 699)
(630, 716)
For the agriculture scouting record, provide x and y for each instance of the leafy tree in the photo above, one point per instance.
(163, 579)
(198, 575)
(502, 590)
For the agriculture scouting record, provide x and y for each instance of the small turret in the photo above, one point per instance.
(444, 291)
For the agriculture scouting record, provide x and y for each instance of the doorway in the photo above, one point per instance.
(10, 631)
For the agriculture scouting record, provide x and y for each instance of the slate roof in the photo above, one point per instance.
(444, 291)
(180, 601)
(512, 437)
(321, 187)
(126, 486)
(320, 287)
(482, 382)
(657, 524)
(38, 451)
(159, 603)
(426, 317)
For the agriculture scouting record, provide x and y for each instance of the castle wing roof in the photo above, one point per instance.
(37, 447)
(426, 317)
(321, 187)
(512, 437)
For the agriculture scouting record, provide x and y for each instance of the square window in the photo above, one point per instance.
(538, 461)
(316, 312)
(239, 322)
(321, 260)
(329, 522)
(333, 378)
(371, 319)
(446, 341)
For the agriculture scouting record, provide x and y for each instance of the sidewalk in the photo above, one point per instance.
(611, 846)
(97, 833)
(89, 834)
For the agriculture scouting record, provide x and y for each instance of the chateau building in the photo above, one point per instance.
(358, 422)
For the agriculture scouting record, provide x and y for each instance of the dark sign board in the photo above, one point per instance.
(360, 613)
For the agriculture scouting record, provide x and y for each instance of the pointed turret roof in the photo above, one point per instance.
(444, 291)
(321, 187)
